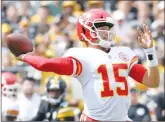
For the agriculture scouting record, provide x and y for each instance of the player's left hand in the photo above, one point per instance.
(145, 39)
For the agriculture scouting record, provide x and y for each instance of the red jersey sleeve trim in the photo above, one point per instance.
(78, 67)
(135, 59)
(137, 72)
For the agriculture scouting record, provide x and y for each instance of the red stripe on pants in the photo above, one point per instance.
(84, 118)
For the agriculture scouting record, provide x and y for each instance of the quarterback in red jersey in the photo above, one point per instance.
(102, 69)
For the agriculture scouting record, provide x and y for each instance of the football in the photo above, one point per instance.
(19, 44)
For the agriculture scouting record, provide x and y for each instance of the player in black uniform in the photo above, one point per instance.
(138, 111)
(54, 106)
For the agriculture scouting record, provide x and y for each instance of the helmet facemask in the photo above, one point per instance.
(105, 33)
(56, 98)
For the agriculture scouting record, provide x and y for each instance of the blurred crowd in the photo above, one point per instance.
(51, 26)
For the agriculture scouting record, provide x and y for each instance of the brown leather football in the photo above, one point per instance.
(19, 44)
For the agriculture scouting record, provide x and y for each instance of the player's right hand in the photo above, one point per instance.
(145, 39)
(20, 57)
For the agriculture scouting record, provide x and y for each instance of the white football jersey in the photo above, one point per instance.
(9, 108)
(103, 79)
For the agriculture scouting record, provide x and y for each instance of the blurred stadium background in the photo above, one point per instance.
(51, 25)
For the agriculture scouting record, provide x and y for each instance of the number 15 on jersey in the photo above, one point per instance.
(107, 91)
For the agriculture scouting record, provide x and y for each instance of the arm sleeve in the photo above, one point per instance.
(137, 72)
(62, 66)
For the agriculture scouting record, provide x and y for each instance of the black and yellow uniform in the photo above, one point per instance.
(53, 106)
(58, 112)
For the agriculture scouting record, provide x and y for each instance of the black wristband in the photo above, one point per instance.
(150, 57)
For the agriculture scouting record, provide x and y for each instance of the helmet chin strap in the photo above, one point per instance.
(102, 43)
(53, 101)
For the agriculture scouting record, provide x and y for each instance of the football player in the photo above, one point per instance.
(102, 69)
(53, 105)
(10, 108)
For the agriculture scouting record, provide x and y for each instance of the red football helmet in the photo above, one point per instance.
(9, 85)
(87, 26)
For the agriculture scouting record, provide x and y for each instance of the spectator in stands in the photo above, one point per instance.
(6, 30)
(12, 16)
(160, 12)
(127, 8)
(42, 19)
(7, 60)
(144, 13)
(54, 6)
(25, 9)
(68, 8)
(95, 4)
(28, 100)
(3, 12)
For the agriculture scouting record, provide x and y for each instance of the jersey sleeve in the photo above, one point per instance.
(134, 67)
(133, 58)
(74, 54)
